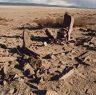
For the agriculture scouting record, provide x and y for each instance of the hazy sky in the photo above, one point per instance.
(81, 3)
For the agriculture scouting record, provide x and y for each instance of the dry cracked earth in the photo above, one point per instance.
(44, 68)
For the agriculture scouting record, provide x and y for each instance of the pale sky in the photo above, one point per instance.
(79, 3)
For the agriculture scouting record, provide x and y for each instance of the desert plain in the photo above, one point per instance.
(62, 68)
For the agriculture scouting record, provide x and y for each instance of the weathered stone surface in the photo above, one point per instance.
(50, 92)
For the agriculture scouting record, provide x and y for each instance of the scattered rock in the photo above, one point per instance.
(66, 70)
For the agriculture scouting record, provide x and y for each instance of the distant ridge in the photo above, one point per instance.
(40, 5)
(30, 4)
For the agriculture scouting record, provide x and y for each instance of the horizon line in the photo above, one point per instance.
(41, 5)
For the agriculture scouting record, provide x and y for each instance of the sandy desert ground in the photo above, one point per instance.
(60, 68)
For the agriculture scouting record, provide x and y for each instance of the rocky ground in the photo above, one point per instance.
(45, 67)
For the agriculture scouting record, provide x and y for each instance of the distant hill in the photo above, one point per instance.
(34, 4)
(29, 4)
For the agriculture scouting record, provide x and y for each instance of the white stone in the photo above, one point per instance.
(86, 43)
(45, 44)
(4, 82)
(52, 56)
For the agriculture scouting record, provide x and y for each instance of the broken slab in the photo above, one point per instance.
(80, 74)
(61, 34)
(50, 36)
(68, 74)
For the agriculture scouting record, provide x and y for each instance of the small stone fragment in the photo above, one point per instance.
(45, 43)
(86, 44)
(52, 56)
(4, 82)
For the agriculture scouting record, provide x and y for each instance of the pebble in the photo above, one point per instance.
(52, 56)
(4, 82)
(45, 43)
(86, 44)
(62, 53)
